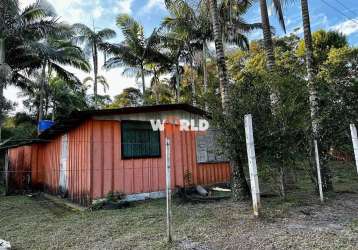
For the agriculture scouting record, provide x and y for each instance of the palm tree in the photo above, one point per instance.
(239, 184)
(220, 54)
(268, 43)
(174, 47)
(100, 79)
(194, 28)
(53, 55)
(313, 93)
(310, 66)
(94, 41)
(18, 29)
(267, 30)
(136, 50)
(189, 30)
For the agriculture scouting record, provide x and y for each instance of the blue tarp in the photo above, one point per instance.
(45, 124)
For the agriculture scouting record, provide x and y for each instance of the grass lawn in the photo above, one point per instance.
(299, 222)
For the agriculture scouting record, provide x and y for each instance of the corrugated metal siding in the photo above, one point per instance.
(49, 165)
(95, 166)
(79, 163)
(42, 161)
(112, 173)
(20, 167)
(183, 158)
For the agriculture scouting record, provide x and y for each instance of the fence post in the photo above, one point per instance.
(250, 146)
(168, 189)
(355, 143)
(319, 179)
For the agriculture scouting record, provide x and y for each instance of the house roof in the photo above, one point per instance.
(79, 116)
(19, 143)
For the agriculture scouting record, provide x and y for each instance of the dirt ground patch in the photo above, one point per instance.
(299, 222)
(30, 223)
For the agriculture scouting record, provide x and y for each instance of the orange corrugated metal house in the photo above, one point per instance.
(116, 150)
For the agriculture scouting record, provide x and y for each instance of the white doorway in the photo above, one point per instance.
(63, 164)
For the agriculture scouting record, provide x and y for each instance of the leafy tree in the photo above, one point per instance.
(316, 48)
(337, 88)
(130, 97)
(66, 98)
(322, 42)
(159, 94)
(18, 128)
(61, 98)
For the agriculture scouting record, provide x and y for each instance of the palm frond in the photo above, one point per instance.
(64, 74)
(277, 5)
(106, 34)
(82, 29)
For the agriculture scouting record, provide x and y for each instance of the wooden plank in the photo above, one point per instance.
(250, 145)
(168, 188)
(355, 143)
(319, 179)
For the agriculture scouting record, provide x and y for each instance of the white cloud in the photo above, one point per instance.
(123, 7)
(97, 12)
(151, 4)
(12, 93)
(347, 27)
(77, 15)
(59, 5)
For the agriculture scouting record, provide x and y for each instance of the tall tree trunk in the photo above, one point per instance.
(192, 79)
(95, 69)
(42, 95)
(46, 106)
(53, 111)
(267, 35)
(220, 54)
(266, 28)
(2, 83)
(241, 190)
(177, 82)
(156, 86)
(143, 78)
(239, 184)
(313, 94)
(205, 71)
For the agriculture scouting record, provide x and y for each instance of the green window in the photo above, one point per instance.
(139, 140)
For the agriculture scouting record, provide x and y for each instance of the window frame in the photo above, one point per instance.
(142, 156)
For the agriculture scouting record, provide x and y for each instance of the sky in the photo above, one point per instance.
(340, 15)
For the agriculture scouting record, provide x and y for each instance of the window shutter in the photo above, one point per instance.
(139, 140)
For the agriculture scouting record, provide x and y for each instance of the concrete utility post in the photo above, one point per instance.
(250, 145)
(319, 179)
(168, 189)
(355, 143)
